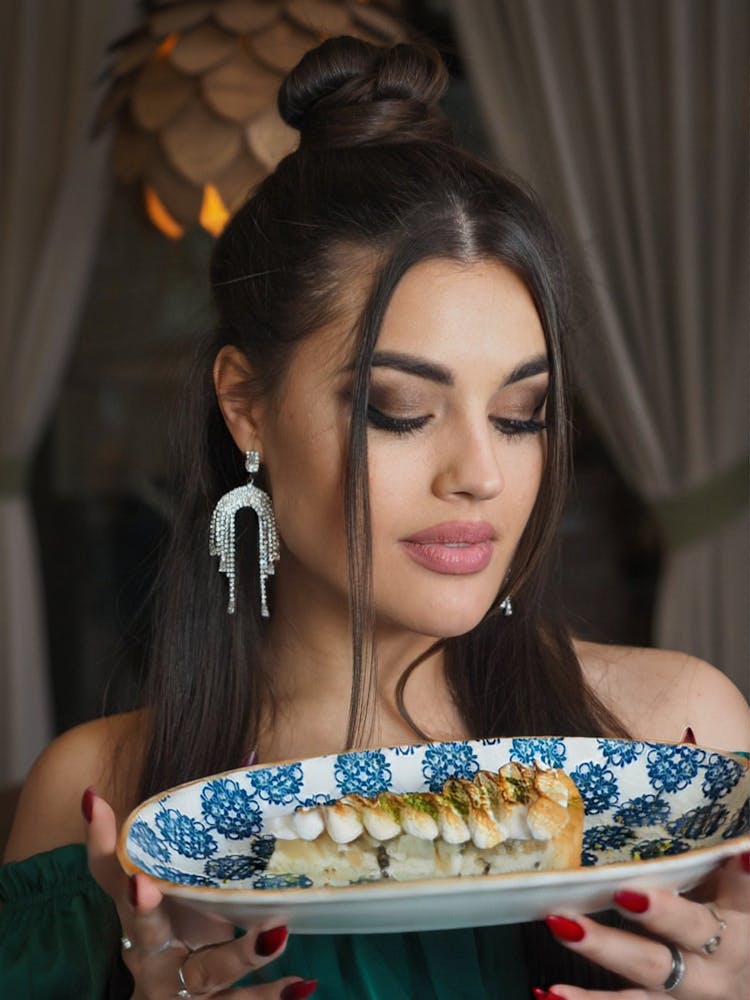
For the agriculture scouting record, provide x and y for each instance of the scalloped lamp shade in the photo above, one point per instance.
(192, 93)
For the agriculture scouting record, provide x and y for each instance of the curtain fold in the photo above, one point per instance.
(630, 119)
(53, 184)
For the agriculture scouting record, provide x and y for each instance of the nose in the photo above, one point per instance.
(469, 466)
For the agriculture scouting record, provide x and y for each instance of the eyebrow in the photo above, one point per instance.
(412, 365)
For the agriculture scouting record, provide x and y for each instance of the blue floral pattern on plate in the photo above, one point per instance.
(448, 760)
(672, 768)
(604, 838)
(187, 836)
(278, 785)
(697, 824)
(643, 801)
(231, 810)
(643, 810)
(550, 752)
(364, 772)
(597, 785)
(660, 847)
(620, 753)
(144, 837)
(722, 774)
(740, 824)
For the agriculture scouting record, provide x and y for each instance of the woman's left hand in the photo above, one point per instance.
(713, 970)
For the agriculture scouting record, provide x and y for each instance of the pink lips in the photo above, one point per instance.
(458, 547)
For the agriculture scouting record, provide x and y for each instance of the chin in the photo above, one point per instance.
(445, 619)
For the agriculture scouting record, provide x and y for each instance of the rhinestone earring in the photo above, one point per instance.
(222, 534)
(506, 607)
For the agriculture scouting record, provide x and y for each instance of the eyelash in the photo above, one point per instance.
(402, 426)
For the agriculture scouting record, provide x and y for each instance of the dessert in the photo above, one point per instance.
(520, 818)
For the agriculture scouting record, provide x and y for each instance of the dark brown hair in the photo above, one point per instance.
(375, 173)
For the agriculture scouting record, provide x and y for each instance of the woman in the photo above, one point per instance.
(389, 349)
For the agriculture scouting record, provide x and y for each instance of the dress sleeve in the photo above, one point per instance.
(431, 965)
(59, 931)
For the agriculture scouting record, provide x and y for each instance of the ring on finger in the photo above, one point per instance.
(183, 992)
(713, 942)
(677, 972)
(129, 945)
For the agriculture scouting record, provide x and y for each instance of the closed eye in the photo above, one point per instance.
(508, 426)
(518, 428)
(395, 425)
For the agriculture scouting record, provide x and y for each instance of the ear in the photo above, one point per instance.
(239, 403)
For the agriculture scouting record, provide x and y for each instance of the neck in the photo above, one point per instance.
(311, 658)
(309, 651)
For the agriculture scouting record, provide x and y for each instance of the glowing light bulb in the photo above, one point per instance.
(160, 216)
(214, 213)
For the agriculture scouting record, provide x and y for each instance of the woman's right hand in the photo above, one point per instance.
(166, 940)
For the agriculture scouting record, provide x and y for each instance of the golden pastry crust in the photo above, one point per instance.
(520, 818)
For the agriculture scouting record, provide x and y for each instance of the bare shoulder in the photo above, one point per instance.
(658, 693)
(105, 753)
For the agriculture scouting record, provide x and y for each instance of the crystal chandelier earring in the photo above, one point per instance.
(506, 606)
(222, 535)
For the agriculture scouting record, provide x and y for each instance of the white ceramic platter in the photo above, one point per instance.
(657, 814)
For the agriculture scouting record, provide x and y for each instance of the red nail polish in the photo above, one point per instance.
(540, 994)
(87, 803)
(745, 861)
(133, 891)
(268, 942)
(688, 736)
(633, 902)
(300, 990)
(565, 929)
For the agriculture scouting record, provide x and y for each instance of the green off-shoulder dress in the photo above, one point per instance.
(60, 940)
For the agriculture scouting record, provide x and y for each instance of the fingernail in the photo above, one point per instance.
(133, 891)
(270, 941)
(87, 803)
(688, 736)
(540, 994)
(565, 929)
(300, 990)
(745, 861)
(633, 902)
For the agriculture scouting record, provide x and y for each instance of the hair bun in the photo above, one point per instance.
(347, 92)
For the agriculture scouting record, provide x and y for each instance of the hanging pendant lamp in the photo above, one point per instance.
(192, 94)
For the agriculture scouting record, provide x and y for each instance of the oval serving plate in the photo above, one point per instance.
(657, 814)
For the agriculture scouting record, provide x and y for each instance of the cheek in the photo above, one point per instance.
(306, 486)
(524, 478)
(400, 484)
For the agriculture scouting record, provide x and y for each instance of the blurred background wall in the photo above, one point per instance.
(630, 118)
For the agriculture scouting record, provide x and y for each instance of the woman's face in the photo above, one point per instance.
(456, 446)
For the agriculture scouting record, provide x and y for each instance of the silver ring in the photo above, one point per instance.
(677, 972)
(713, 943)
(129, 945)
(183, 993)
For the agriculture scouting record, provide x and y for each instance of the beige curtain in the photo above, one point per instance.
(630, 118)
(53, 181)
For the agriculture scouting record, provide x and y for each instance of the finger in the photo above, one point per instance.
(637, 959)
(216, 967)
(732, 883)
(145, 919)
(559, 992)
(288, 988)
(101, 841)
(137, 900)
(195, 927)
(690, 925)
